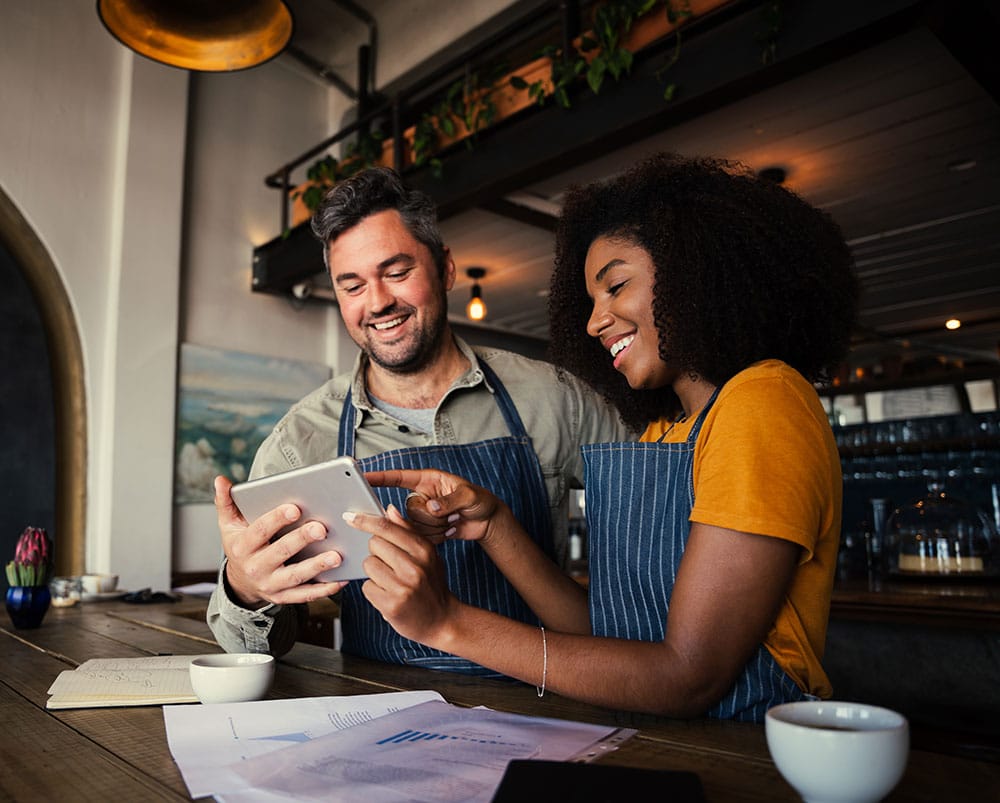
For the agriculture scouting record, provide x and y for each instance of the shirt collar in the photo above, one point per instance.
(472, 377)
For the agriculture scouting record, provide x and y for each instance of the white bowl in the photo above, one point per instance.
(99, 583)
(837, 751)
(231, 677)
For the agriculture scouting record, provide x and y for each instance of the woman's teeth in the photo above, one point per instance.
(619, 345)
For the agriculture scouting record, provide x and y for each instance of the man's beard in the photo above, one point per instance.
(420, 352)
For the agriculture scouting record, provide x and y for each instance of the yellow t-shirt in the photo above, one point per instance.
(766, 462)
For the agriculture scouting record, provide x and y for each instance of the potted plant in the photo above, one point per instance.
(28, 574)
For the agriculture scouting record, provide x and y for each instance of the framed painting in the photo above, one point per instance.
(228, 402)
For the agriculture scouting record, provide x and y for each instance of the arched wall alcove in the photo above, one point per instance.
(66, 364)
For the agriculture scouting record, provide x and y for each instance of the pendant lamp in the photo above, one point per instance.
(476, 308)
(201, 35)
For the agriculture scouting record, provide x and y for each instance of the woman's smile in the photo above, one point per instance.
(620, 278)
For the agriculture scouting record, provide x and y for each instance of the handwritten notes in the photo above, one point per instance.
(106, 682)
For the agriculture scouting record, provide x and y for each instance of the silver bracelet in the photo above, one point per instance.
(545, 664)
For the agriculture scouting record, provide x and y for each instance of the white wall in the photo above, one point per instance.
(92, 151)
(89, 143)
(242, 127)
(147, 190)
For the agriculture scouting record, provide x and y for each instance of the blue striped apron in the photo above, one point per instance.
(507, 466)
(638, 503)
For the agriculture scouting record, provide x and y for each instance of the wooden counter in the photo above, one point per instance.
(123, 751)
(927, 648)
(943, 602)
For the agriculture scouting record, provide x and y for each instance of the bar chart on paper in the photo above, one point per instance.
(422, 736)
(431, 751)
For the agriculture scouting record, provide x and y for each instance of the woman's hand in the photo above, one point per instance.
(443, 505)
(406, 577)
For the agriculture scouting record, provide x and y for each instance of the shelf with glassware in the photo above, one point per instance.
(921, 505)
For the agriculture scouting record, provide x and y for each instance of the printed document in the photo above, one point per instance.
(209, 741)
(428, 752)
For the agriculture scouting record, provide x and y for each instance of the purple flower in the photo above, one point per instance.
(32, 562)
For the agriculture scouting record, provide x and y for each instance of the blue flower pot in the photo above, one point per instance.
(27, 605)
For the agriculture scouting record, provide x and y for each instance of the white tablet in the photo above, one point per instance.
(322, 492)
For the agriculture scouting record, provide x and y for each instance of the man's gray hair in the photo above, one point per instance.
(373, 190)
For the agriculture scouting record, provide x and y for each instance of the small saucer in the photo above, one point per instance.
(101, 596)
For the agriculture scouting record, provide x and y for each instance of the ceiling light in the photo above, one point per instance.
(476, 308)
(952, 323)
(961, 164)
(206, 36)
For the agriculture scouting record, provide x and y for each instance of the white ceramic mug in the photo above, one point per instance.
(838, 752)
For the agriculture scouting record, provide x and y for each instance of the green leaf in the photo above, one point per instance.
(595, 75)
(669, 92)
(518, 82)
(313, 196)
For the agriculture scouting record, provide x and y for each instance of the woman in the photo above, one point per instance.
(702, 301)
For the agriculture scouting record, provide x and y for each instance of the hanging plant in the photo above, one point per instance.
(677, 14)
(599, 54)
(468, 106)
(611, 23)
(365, 151)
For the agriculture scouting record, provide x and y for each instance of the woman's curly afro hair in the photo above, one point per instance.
(745, 270)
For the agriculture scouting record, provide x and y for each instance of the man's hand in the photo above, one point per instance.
(255, 569)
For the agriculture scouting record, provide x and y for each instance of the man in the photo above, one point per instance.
(418, 397)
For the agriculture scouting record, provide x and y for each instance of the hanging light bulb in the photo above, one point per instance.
(476, 308)
(206, 36)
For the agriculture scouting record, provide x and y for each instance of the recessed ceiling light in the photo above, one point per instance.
(952, 323)
(774, 173)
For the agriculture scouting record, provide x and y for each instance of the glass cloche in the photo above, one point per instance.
(939, 535)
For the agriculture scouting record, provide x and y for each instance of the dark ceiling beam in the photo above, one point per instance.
(970, 32)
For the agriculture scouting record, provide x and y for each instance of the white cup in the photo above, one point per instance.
(99, 583)
(231, 677)
(838, 752)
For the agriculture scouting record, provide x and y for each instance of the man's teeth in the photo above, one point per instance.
(388, 324)
(621, 344)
